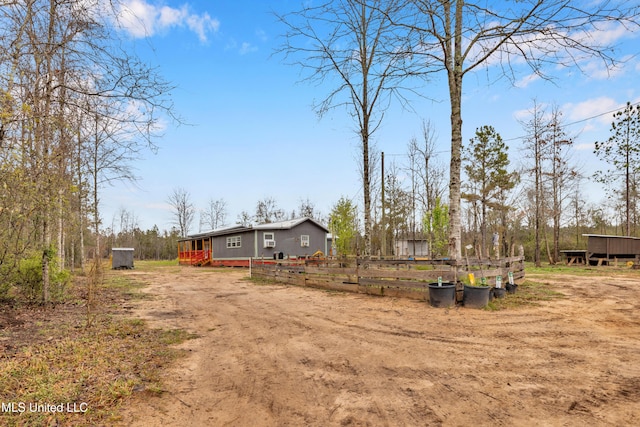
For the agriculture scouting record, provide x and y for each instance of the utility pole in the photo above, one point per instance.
(384, 223)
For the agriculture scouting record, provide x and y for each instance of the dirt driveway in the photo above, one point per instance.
(272, 355)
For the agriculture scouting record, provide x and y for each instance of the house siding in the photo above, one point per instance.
(609, 246)
(246, 249)
(287, 242)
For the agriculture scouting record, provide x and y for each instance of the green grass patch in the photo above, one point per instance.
(84, 374)
(582, 270)
(176, 336)
(157, 265)
(529, 293)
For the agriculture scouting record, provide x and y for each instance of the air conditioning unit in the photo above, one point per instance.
(304, 244)
(269, 243)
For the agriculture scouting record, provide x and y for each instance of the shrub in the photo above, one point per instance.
(28, 279)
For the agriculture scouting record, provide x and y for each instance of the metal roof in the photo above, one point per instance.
(232, 229)
(286, 225)
(610, 236)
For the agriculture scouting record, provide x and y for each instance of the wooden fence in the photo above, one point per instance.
(400, 278)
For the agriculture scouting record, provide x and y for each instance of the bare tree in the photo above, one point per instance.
(267, 211)
(427, 175)
(244, 219)
(352, 45)
(184, 210)
(562, 173)
(537, 147)
(58, 60)
(214, 215)
(307, 209)
(459, 37)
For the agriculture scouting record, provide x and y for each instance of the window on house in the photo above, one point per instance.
(234, 242)
(304, 240)
(269, 240)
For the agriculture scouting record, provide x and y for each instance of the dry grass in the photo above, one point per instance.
(90, 365)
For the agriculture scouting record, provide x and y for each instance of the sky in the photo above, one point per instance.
(250, 131)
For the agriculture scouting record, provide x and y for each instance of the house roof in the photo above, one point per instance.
(231, 229)
(287, 225)
(234, 229)
(609, 236)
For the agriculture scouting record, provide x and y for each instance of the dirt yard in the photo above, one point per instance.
(273, 355)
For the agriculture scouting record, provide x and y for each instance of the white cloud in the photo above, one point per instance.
(140, 19)
(597, 69)
(609, 32)
(586, 146)
(262, 35)
(202, 24)
(527, 80)
(591, 108)
(247, 47)
(169, 17)
(137, 17)
(525, 115)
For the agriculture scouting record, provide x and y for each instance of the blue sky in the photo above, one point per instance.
(253, 134)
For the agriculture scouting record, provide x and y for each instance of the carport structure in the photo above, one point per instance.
(605, 249)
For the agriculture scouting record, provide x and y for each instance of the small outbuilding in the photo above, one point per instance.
(122, 258)
(604, 249)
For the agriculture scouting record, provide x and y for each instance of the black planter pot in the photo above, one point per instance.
(512, 288)
(499, 292)
(442, 296)
(476, 296)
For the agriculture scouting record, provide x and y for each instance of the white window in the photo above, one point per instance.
(234, 242)
(304, 240)
(269, 240)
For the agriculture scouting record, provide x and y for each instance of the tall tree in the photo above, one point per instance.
(458, 37)
(562, 173)
(184, 210)
(622, 152)
(398, 208)
(427, 174)
(352, 45)
(537, 146)
(489, 179)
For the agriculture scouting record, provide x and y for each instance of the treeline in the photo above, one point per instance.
(151, 244)
(539, 202)
(76, 109)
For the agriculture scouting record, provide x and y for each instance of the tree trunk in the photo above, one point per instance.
(46, 257)
(455, 93)
(366, 188)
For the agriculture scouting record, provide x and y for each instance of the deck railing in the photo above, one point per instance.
(196, 257)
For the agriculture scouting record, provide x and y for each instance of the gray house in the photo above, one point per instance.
(302, 237)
